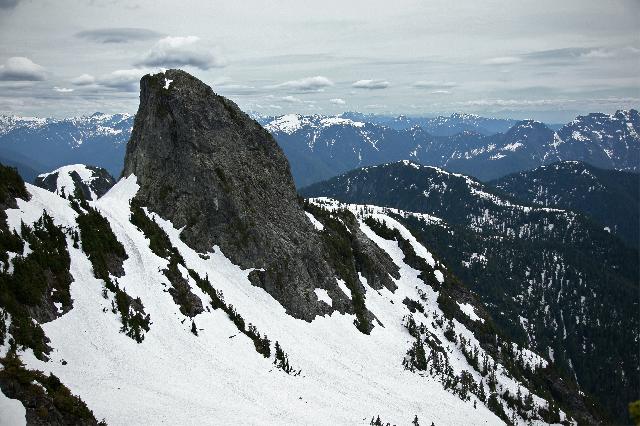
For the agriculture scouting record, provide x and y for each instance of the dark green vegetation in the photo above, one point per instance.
(107, 254)
(609, 197)
(37, 281)
(46, 399)
(574, 284)
(28, 291)
(34, 282)
(375, 421)
(546, 382)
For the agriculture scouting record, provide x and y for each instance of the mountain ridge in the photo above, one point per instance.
(507, 247)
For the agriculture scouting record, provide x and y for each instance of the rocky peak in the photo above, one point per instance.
(212, 170)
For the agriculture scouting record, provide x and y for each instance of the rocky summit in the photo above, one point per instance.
(209, 168)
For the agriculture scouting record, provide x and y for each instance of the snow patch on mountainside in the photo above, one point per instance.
(469, 311)
(12, 412)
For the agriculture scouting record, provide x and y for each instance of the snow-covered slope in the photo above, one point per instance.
(174, 376)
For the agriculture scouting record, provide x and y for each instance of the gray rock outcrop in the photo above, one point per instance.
(209, 168)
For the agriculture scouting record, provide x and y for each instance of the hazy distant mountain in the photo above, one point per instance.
(440, 125)
(44, 144)
(319, 147)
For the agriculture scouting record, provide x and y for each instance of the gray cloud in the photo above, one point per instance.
(181, 51)
(338, 101)
(425, 84)
(569, 50)
(118, 35)
(8, 4)
(370, 84)
(19, 68)
(307, 84)
(127, 80)
(83, 80)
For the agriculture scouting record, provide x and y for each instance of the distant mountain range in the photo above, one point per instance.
(38, 145)
(319, 147)
(556, 280)
(436, 126)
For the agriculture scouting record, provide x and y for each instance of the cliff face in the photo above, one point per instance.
(208, 167)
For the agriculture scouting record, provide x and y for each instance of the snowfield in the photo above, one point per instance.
(217, 377)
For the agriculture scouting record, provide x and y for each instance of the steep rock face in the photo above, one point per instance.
(208, 167)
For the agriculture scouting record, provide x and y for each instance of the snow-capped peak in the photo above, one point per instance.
(291, 123)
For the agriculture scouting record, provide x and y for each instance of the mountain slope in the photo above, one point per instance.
(572, 284)
(330, 352)
(148, 324)
(610, 197)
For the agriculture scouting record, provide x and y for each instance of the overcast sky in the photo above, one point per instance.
(544, 59)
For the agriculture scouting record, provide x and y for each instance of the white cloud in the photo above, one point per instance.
(370, 84)
(307, 84)
(19, 68)
(441, 92)
(338, 101)
(502, 60)
(182, 51)
(84, 80)
(62, 89)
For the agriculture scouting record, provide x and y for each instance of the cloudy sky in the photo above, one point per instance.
(544, 59)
